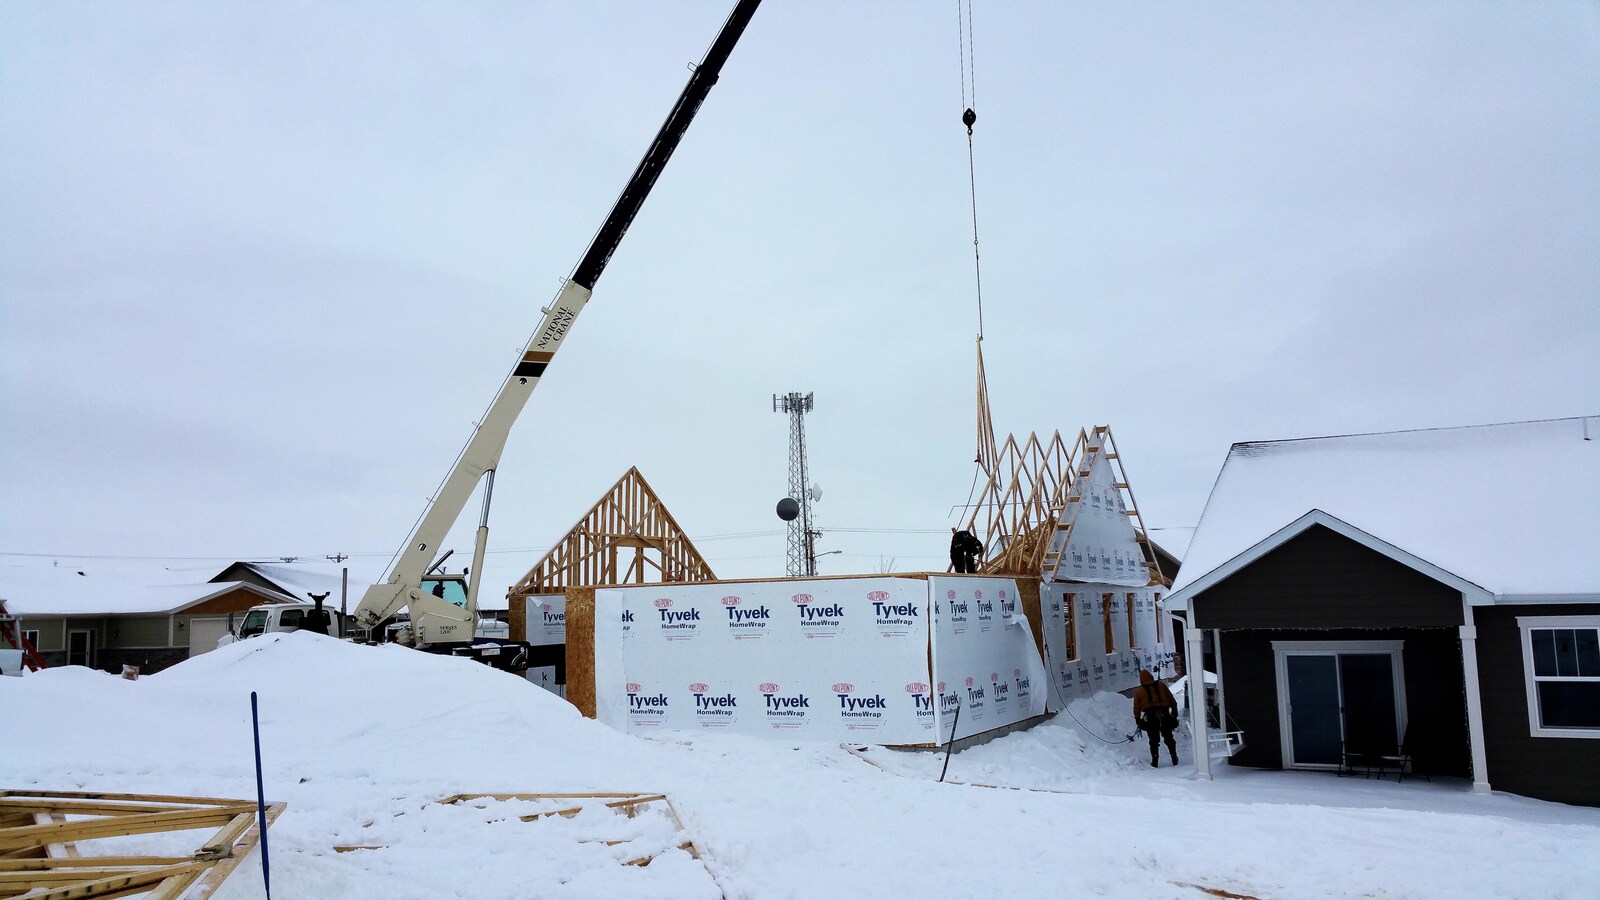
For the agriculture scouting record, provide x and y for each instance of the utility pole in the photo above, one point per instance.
(344, 589)
(802, 558)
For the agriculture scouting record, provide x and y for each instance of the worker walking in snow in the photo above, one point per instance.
(1155, 711)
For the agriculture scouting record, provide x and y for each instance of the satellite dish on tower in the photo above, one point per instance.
(788, 509)
(815, 493)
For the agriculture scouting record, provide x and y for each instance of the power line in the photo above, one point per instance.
(500, 551)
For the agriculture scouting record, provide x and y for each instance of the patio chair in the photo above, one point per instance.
(1356, 762)
(1399, 761)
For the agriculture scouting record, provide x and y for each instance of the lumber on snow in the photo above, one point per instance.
(41, 833)
(623, 803)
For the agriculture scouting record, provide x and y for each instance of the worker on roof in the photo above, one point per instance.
(964, 550)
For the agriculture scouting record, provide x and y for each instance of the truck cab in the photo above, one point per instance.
(271, 618)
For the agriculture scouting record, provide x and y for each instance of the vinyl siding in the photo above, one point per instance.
(135, 631)
(1550, 768)
(1322, 579)
(52, 632)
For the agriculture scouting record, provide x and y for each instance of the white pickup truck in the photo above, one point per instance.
(270, 618)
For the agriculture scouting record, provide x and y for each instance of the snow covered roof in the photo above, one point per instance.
(88, 591)
(1506, 512)
(299, 579)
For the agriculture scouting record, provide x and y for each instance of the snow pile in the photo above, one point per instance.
(358, 740)
(362, 741)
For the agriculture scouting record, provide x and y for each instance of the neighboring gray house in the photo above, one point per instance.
(105, 619)
(1436, 588)
(106, 616)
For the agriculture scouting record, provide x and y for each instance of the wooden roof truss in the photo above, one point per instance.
(47, 850)
(1027, 494)
(1015, 512)
(628, 537)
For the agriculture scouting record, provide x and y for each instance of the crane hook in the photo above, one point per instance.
(967, 118)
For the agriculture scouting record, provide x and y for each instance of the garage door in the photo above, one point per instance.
(203, 634)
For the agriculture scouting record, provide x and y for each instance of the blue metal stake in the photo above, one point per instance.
(261, 799)
(947, 747)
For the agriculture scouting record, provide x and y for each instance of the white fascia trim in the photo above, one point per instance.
(1558, 621)
(1297, 647)
(1475, 595)
(1535, 599)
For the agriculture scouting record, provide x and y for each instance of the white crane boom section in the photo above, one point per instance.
(435, 620)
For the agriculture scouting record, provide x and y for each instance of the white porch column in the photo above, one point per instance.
(1222, 687)
(1469, 671)
(1195, 666)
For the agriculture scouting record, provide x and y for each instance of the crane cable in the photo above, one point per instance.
(968, 117)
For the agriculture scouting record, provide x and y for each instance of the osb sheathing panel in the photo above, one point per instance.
(580, 649)
(1028, 592)
(517, 617)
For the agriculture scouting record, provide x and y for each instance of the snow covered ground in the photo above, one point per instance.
(356, 735)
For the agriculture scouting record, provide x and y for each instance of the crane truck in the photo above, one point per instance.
(437, 623)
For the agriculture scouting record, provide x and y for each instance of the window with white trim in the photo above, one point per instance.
(1561, 659)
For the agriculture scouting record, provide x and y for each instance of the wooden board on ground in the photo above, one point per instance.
(569, 805)
(46, 849)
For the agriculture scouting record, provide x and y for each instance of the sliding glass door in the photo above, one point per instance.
(1335, 696)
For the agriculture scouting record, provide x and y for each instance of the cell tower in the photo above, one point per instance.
(801, 559)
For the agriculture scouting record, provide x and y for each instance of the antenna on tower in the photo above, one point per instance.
(796, 508)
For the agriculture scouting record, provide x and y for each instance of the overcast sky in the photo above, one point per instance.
(262, 265)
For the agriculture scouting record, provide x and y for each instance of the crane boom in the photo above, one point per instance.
(437, 621)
